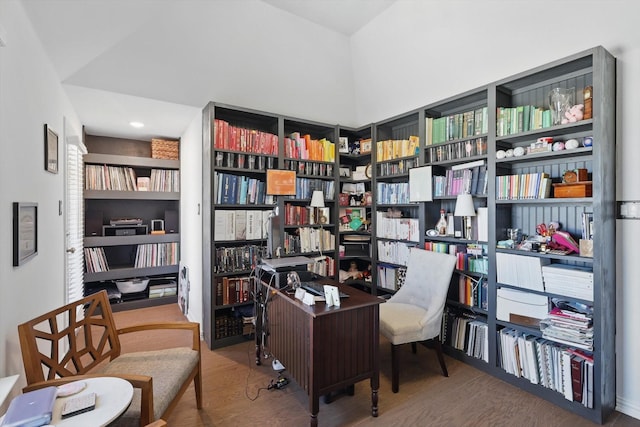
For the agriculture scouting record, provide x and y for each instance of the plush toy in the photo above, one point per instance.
(574, 114)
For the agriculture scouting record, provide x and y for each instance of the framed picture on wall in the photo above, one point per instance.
(25, 232)
(50, 150)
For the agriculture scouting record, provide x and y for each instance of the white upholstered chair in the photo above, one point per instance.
(414, 313)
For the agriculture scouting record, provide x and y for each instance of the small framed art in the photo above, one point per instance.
(50, 150)
(25, 232)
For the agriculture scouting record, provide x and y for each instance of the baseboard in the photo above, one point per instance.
(631, 409)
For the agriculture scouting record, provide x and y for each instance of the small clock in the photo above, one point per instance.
(367, 171)
(570, 176)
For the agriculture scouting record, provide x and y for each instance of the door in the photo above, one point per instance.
(74, 218)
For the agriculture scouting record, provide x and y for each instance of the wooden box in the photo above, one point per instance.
(163, 149)
(574, 189)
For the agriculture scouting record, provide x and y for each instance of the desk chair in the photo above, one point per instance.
(159, 377)
(414, 313)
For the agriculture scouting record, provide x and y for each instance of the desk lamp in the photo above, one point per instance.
(317, 201)
(464, 208)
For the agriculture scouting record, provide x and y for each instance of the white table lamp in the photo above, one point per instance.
(464, 208)
(317, 201)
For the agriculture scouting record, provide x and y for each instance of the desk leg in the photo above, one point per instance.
(257, 309)
(314, 403)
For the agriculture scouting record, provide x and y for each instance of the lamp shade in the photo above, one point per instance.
(464, 205)
(317, 199)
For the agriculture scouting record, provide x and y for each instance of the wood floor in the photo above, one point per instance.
(234, 391)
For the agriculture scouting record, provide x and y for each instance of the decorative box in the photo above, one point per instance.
(575, 189)
(163, 149)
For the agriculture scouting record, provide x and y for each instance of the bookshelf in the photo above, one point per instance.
(592, 68)
(114, 253)
(355, 206)
(398, 223)
(516, 315)
(239, 145)
(497, 130)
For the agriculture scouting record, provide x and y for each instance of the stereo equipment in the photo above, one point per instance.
(93, 223)
(171, 222)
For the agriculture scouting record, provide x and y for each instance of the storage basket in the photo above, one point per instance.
(163, 149)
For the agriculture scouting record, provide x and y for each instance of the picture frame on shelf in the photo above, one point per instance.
(365, 146)
(50, 150)
(25, 232)
(345, 172)
(343, 145)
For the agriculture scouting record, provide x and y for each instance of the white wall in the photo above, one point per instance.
(190, 214)
(419, 52)
(30, 96)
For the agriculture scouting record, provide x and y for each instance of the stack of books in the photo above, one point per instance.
(569, 280)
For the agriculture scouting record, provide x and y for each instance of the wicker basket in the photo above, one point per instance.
(163, 149)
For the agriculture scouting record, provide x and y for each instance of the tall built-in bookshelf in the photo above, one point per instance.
(126, 192)
(495, 142)
(398, 223)
(355, 207)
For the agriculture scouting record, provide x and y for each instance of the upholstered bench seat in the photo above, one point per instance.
(169, 369)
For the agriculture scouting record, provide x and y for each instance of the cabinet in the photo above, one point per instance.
(120, 217)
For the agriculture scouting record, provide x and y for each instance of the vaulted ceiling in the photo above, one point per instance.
(95, 45)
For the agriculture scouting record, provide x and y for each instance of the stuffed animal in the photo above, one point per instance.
(574, 114)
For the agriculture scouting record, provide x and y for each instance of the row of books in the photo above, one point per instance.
(391, 193)
(230, 189)
(297, 146)
(524, 186)
(587, 225)
(95, 260)
(458, 150)
(465, 332)
(306, 186)
(233, 290)
(398, 167)
(156, 255)
(564, 369)
(390, 149)
(473, 291)
(164, 180)
(238, 258)
(240, 224)
(323, 266)
(397, 228)
(394, 252)
(227, 325)
(457, 126)
(309, 240)
(470, 257)
(461, 181)
(111, 178)
(391, 276)
(523, 118)
(305, 215)
(229, 137)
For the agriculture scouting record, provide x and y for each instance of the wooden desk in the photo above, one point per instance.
(323, 348)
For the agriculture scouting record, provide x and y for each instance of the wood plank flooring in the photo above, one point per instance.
(234, 391)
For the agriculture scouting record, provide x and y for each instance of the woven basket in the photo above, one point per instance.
(163, 149)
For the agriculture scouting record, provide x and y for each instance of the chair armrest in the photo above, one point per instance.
(143, 382)
(192, 326)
